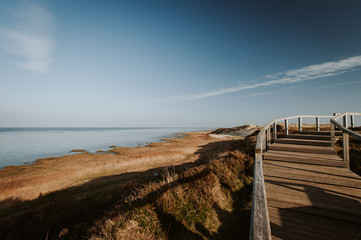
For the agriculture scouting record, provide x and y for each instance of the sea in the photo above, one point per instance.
(19, 146)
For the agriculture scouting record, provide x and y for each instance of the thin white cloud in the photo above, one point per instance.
(28, 39)
(259, 94)
(316, 71)
(341, 84)
(296, 86)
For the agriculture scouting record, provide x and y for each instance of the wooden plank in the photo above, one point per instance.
(307, 195)
(300, 160)
(345, 130)
(347, 191)
(327, 133)
(317, 171)
(306, 155)
(274, 131)
(306, 199)
(304, 142)
(286, 223)
(311, 137)
(313, 178)
(304, 160)
(335, 204)
(303, 148)
(346, 149)
(259, 227)
(317, 210)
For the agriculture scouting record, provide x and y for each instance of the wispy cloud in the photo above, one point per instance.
(292, 76)
(28, 38)
(341, 84)
(259, 94)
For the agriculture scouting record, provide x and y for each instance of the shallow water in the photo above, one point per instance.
(26, 145)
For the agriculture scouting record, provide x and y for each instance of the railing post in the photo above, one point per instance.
(332, 126)
(317, 124)
(268, 137)
(274, 131)
(286, 127)
(299, 124)
(352, 121)
(346, 153)
(345, 124)
(264, 142)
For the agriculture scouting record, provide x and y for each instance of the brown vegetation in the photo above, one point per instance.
(77, 150)
(51, 174)
(94, 195)
(209, 201)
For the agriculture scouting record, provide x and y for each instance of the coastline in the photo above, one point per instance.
(27, 182)
(19, 146)
(76, 151)
(73, 196)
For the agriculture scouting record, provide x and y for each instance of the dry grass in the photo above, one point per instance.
(210, 201)
(49, 175)
(83, 195)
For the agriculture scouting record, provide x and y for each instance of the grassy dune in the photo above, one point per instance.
(197, 186)
(48, 175)
(209, 201)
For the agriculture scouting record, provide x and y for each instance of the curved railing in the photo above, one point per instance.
(260, 225)
(345, 132)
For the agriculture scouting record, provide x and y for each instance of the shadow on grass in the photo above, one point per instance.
(74, 210)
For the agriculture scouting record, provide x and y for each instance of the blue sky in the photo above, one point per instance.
(176, 63)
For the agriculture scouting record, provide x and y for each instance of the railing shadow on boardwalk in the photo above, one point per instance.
(314, 171)
(308, 216)
(82, 206)
(260, 221)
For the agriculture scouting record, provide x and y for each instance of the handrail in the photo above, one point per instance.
(345, 133)
(260, 226)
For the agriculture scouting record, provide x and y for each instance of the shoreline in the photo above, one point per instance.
(43, 203)
(27, 182)
(101, 148)
(75, 152)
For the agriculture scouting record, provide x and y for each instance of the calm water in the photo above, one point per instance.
(25, 145)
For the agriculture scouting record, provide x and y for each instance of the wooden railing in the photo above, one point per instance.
(345, 132)
(260, 225)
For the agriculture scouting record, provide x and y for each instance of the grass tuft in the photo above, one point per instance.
(209, 201)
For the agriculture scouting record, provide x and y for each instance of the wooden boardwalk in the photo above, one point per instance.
(310, 192)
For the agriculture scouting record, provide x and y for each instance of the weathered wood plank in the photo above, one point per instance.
(313, 159)
(285, 223)
(315, 179)
(313, 170)
(302, 148)
(309, 193)
(347, 191)
(306, 155)
(304, 142)
(310, 137)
